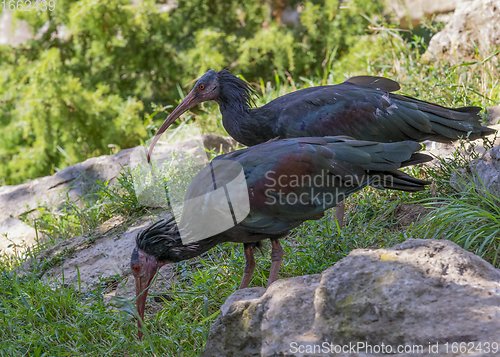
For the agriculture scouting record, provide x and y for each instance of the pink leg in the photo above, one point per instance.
(276, 259)
(249, 266)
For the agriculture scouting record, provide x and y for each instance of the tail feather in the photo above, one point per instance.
(398, 180)
(385, 160)
(417, 158)
(470, 110)
(378, 156)
(449, 124)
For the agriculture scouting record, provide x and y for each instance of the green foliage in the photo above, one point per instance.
(462, 210)
(54, 121)
(120, 199)
(82, 87)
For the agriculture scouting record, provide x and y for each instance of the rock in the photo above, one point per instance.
(419, 293)
(16, 235)
(67, 184)
(13, 31)
(99, 257)
(70, 184)
(474, 23)
(411, 213)
(290, 17)
(414, 11)
(493, 114)
(484, 172)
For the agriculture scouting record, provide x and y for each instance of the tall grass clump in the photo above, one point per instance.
(469, 217)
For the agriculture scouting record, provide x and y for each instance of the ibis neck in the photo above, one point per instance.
(248, 126)
(173, 250)
(181, 252)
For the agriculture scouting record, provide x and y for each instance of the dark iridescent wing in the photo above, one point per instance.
(294, 180)
(363, 108)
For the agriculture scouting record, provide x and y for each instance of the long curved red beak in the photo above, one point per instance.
(188, 102)
(141, 291)
(143, 281)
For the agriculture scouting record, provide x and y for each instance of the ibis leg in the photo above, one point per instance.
(339, 213)
(249, 266)
(277, 253)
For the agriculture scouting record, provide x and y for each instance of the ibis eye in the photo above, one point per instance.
(201, 86)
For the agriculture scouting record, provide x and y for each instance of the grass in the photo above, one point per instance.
(37, 320)
(469, 215)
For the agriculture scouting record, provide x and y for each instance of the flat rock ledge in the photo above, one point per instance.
(102, 255)
(424, 297)
(73, 182)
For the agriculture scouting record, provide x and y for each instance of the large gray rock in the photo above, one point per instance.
(13, 31)
(67, 184)
(474, 23)
(483, 172)
(414, 11)
(70, 184)
(493, 114)
(16, 235)
(419, 293)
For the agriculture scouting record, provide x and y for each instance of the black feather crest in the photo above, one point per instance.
(235, 92)
(163, 241)
(160, 240)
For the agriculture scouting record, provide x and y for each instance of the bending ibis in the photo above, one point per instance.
(289, 181)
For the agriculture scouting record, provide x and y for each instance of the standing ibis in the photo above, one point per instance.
(288, 181)
(362, 107)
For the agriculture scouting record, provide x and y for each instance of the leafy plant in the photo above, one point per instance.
(82, 86)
